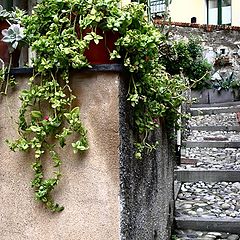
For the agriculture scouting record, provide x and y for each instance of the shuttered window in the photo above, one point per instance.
(158, 7)
(219, 12)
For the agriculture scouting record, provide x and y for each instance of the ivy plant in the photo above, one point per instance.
(47, 115)
(186, 57)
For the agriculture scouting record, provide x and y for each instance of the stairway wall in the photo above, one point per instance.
(107, 194)
(146, 184)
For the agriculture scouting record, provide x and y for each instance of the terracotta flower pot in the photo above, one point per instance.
(4, 54)
(100, 53)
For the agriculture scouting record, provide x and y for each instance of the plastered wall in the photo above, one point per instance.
(89, 189)
(106, 192)
(184, 10)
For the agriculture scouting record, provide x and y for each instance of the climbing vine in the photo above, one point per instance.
(47, 116)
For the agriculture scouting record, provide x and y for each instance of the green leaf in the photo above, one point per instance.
(36, 114)
(88, 37)
(35, 129)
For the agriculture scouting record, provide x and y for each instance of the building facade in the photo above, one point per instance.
(215, 12)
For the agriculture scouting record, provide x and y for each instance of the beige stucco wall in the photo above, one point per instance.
(235, 13)
(184, 10)
(89, 189)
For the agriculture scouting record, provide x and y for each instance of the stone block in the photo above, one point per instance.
(201, 96)
(220, 96)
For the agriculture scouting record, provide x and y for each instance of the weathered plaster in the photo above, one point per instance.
(89, 188)
(147, 184)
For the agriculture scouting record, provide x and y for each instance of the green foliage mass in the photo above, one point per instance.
(47, 115)
(186, 57)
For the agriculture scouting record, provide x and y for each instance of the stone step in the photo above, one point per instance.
(214, 110)
(215, 105)
(221, 119)
(200, 156)
(211, 144)
(202, 235)
(200, 136)
(215, 128)
(177, 186)
(208, 224)
(209, 200)
(194, 175)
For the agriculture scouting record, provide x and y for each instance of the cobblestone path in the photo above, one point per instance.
(207, 202)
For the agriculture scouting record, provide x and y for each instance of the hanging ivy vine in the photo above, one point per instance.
(47, 116)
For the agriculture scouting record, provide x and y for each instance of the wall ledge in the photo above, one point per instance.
(95, 68)
(206, 27)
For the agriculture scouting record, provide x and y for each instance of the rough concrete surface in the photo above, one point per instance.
(89, 188)
(146, 185)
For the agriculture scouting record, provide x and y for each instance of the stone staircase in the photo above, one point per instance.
(207, 186)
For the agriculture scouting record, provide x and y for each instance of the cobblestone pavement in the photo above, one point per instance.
(221, 119)
(213, 158)
(190, 235)
(210, 200)
(201, 199)
(214, 136)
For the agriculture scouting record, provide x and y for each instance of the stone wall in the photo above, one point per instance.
(221, 48)
(107, 194)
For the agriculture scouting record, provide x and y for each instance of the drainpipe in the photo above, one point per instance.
(219, 12)
(207, 1)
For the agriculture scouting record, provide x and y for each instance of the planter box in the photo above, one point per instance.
(220, 96)
(209, 96)
(201, 96)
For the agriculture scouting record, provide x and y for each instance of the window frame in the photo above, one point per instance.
(219, 16)
(157, 5)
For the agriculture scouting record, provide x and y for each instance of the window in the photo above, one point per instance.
(157, 8)
(219, 12)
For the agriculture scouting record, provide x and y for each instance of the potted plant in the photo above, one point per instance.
(11, 40)
(11, 33)
(14, 37)
(4, 23)
(61, 35)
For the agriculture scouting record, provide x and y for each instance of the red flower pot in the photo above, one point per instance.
(4, 54)
(100, 53)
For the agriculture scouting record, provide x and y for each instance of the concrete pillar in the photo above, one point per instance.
(90, 186)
